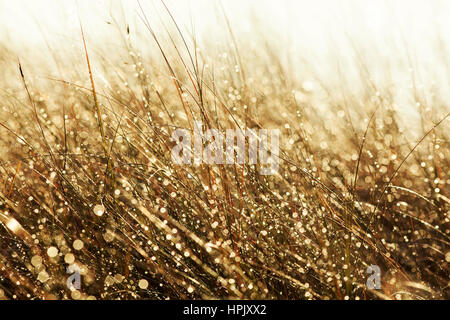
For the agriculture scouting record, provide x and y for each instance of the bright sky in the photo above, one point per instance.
(294, 18)
(302, 26)
(306, 27)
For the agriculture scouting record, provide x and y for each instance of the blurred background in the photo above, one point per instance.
(302, 22)
(396, 40)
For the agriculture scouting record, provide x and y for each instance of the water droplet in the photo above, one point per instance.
(36, 261)
(99, 210)
(143, 284)
(69, 258)
(52, 252)
(78, 244)
(43, 276)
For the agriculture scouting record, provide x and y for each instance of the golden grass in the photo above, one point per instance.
(354, 189)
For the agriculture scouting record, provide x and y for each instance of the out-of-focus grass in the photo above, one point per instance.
(356, 187)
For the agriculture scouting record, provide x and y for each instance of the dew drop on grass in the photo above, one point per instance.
(143, 284)
(108, 236)
(69, 258)
(119, 278)
(52, 252)
(109, 281)
(76, 295)
(13, 225)
(99, 210)
(78, 244)
(43, 276)
(36, 261)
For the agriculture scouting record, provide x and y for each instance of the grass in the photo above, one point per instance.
(354, 187)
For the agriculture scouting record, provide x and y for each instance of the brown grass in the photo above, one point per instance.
(354, 189)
